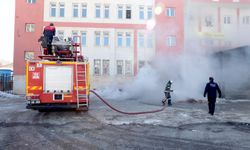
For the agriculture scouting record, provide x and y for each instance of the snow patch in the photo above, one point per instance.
(7, 95)
(152, 121)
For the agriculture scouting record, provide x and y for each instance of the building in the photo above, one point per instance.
(114, 33)
(119, 37)
(217, 24)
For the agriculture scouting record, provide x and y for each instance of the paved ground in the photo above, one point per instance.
(183, 126)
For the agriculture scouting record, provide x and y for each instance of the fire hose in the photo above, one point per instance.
(127, 113)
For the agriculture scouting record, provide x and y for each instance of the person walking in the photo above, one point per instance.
(210, 91)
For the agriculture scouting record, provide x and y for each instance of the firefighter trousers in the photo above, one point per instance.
(211, 105)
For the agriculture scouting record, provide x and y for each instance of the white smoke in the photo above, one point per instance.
(189, 73)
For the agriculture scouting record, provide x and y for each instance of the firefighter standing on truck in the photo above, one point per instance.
(167, 93)
(49, 32)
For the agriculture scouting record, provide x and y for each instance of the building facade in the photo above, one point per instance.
(217, 24)
(119, 37)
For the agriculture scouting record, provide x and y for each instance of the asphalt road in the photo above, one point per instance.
(26, 129)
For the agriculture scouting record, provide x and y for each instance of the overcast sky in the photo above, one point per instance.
(7, 13)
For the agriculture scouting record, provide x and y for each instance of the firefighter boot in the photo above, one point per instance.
(163, 101)
(169, 102)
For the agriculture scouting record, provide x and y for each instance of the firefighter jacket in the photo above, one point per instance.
(211, 90)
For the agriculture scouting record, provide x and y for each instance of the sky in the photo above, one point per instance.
(7, 15)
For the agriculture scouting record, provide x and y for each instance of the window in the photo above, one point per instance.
(61, 10)
(150, 41)
(128, 40)
(141, 64)
(150, 13)
(28, 55)
(105, 67)
(106, 39)
(74, 36)
(97, 11)
(84, 10)
(128, 12)
(128, 67)
(97, 67)
(30, 27)
(75, 10)
(31, 1)
(106, 11)
(119, 68)
(84, 38)
(141, 40)
(227, 20)
(120, 12)
(246, 20)
(119, 39)
(208, 21)
(170, 11)
(52, 10)
(97, 39)
(141, 12)
(60, 34)
(171, 41)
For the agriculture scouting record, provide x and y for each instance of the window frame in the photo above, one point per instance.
(84, 44)
(171, 41)
(128, 64)
(30, 27)
(227, 19)
(119, 71)
(97, 67)
(106, 37)
(84, 8)
(128, 10)
(128, 38)
(75, 10)
(97, 10)
(97, 38)
(106, 11)
(170, 11)
(119, 39)
(31, 1)
(141, 12)
(106, 70)
(60, 10)
(141, 40)
(52, 8)
(150, 13)
(120, 12)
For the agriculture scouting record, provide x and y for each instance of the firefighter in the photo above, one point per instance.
(167, 93)
(49, 32)
(211, 90)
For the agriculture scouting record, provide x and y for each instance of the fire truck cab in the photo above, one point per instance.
(58, 81)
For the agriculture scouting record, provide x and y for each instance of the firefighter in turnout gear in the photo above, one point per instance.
(211, 90)
(167, 93)
(49, 32)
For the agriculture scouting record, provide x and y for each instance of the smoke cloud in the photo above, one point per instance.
(189, 73)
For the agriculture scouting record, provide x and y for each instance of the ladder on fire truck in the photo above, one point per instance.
(81, 74)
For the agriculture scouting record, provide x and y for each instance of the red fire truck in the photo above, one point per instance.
(60, 81)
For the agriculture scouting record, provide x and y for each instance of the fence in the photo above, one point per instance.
(6, 83)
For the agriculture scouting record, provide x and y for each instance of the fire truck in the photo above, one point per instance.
(58, 81)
